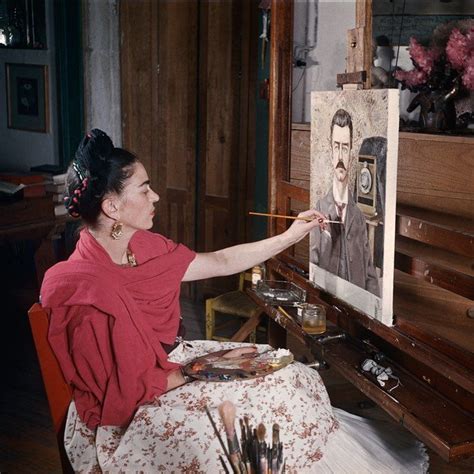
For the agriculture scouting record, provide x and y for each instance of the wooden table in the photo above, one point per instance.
(32, 220)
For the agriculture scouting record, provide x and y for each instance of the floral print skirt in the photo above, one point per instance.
(174, 434)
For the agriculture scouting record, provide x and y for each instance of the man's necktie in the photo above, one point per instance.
(340, 208)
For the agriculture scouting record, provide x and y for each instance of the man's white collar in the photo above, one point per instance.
(340, 198)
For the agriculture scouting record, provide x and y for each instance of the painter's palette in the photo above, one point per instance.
(214, 367)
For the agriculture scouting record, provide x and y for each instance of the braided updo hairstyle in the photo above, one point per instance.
(97, 170)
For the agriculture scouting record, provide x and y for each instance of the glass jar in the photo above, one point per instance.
(258, 274)
(313, 318)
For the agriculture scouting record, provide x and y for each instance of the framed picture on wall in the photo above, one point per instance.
(27, 97)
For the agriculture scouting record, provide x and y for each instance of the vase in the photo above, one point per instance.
(437, 110)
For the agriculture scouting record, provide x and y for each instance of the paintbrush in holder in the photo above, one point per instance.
(252, 455)
(227, 413)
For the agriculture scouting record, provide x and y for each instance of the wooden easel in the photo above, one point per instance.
(434, 251)
(359, 51)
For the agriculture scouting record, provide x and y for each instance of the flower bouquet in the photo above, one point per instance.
(441, 72)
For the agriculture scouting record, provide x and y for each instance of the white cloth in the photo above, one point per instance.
(174, 435)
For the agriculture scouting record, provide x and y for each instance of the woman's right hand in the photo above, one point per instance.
(300, 228)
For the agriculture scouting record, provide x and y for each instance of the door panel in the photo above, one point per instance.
(188, 86)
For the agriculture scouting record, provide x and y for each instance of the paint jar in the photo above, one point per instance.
(313, 318)
(258, 274)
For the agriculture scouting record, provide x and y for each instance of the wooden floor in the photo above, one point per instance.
(27, 441)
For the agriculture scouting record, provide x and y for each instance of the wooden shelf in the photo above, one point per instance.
(435, 172)
(445, 269)
(437, 229)
(434, 309)
(459, 369)
(432, 137)
(441, 424)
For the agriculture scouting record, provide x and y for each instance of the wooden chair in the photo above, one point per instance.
(58, 391)
(234, 304)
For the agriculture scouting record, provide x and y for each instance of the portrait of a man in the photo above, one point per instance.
(354, 150)
(343, 247)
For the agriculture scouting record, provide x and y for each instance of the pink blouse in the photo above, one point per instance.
(108, 323)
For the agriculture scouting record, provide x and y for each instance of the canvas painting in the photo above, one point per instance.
(354, 149)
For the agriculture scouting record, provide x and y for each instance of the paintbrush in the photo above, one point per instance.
(224, 466)
(244, 446)
(256, 455)
(281, 462)
(249, 444)
(295, 218)
(262, 448)
(227, 412)
(281, 310)
(275, 443)
(218, 435)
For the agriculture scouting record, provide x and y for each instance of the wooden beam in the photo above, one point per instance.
(358, 77)
(364, 20)
(281, 52)
(249, 326)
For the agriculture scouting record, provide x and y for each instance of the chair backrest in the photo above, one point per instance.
(58, 390)
(244, 277)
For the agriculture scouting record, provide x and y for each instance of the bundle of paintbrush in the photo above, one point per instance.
(252, 455)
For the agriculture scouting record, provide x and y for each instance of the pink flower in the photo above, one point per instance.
(457, 49)
(468, 76)
(424, 58)
(470, 39)
(412, 78)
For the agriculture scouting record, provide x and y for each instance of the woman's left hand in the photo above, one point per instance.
(300, 228)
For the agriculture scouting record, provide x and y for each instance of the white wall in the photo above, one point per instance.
(102, 67)
(320, 28)
(20, 149)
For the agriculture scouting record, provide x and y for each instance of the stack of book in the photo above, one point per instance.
(55, 186)
(29, 184)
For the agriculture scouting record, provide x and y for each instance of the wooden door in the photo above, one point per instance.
(227, 81)
(159, 79)
(188, 85)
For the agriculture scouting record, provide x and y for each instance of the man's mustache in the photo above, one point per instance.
(340, 164)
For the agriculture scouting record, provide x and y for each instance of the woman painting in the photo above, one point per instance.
(115, 326)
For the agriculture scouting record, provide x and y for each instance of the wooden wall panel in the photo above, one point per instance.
(220, 81)
(441, 178)
(300, 155)
(227, 83)
(177, 91)
(189, 81)
(175, 142)
(138, 78)
(159, 84)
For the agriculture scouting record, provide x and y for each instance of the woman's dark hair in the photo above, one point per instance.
(97, 170)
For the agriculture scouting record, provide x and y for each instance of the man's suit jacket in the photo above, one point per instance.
(326, 245)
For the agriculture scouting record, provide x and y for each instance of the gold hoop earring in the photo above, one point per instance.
(117, 230)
